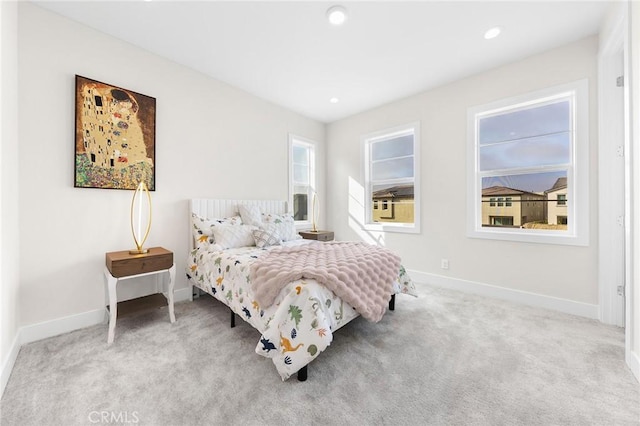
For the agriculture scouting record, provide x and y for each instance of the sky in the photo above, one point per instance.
(526, 139)
(392, 158)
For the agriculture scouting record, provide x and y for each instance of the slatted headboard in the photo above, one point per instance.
(214, 208)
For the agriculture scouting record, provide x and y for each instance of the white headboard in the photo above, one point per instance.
(214, 208)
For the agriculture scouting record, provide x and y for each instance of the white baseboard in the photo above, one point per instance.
(633, 361)
(182, 294)
(55, 327)
(43, 330)
(517, 296)
(7, 365)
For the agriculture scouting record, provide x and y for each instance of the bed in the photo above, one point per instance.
(235, 246)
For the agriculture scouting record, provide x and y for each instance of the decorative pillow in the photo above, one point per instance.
(267, 236)
(284, 224)
(231, 236)
(250, 214)
(203, 228)
(204, 241)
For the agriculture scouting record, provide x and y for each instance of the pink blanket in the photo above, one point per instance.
(360, 274)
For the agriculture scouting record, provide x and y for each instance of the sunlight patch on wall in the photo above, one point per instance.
(357, 216)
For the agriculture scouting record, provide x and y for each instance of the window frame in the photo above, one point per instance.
(295, 140)
(378, 136)
(577, 170)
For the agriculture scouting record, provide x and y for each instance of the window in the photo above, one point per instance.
(392, 177)
(501, 221)
(534, 148)
(301, 178)
(562, 199)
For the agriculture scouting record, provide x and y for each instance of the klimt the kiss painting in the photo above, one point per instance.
(115, 137)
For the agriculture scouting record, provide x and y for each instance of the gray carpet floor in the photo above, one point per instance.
(444, 358)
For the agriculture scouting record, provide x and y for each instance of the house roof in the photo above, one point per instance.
(504, 190)
(400, 191)
(561, 183)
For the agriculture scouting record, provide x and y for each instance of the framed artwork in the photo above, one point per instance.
(115, 137)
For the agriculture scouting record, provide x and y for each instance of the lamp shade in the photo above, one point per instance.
(315, 212)
(140, 217)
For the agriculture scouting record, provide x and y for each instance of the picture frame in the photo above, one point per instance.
(115, 136)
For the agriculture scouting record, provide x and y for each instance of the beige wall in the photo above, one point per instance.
(212, 141)
(9, 236)
(569, 272)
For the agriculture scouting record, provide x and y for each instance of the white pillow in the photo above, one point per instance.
(232, 236)
(250, 214)
(266, 237)
(202, 228)
(284, 224)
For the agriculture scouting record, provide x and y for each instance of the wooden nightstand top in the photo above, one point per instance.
(317, 235)
(124, 264)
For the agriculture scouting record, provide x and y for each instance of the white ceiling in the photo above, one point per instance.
(287, 52)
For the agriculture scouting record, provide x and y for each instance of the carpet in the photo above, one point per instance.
(444, 358)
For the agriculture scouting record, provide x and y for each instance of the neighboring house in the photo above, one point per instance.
(300, 204)
(394, 204)
(509, 207)
(557, 202)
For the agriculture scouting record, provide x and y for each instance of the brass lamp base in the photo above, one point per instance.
(141, 251)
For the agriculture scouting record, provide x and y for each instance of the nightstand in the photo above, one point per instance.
(317, 235)
(121, 265)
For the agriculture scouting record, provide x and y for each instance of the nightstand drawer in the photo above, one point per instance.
(122, 264)
(317, 235)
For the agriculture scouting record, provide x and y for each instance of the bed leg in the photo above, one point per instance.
(195, 292)
(302, 374)
(233, 318)
(392, 303)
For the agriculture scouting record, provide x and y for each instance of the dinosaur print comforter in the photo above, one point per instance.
(301, 322)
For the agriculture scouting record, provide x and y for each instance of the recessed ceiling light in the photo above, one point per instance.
(336, 15)
(492, 33)
(334, 100)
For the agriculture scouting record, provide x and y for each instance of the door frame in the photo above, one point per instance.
(615, 41)
(613, 205)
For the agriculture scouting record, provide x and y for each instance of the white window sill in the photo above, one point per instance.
(303, 225)
(530, 236)
(399, 228)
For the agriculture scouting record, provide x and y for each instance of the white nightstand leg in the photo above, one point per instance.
(172, 280)
(113, 305)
